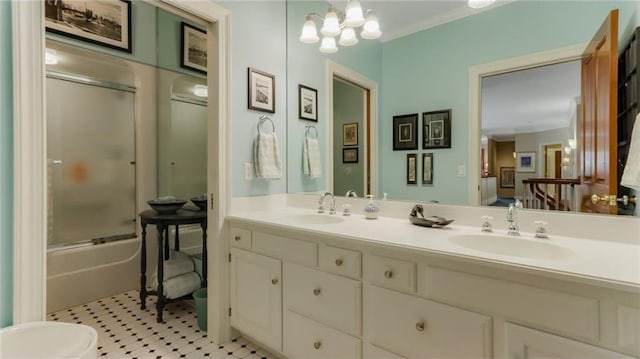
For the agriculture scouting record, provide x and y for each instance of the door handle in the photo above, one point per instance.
(625, 200)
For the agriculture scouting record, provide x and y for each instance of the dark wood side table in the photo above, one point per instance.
(162, 223)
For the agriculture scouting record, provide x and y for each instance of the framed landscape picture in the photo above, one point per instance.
(350, 134)
(405, 132)
(262, 91)
(526, 162)
(350, 155)
(307, 103)
(436, 129)
(193, 49)
(101, 22)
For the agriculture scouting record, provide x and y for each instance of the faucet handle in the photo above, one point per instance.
(320, 208)
(541, 231)
(486, 224)
(346, 209)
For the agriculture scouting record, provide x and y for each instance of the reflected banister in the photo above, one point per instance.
(540, 198)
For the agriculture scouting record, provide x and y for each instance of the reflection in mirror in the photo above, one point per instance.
(529, 137)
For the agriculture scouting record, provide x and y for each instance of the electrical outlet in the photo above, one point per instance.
(248, 171)
(462, 171)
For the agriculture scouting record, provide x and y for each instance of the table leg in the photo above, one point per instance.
(143, 269)
(160, 303)
(204, 252)
(166, 243)
(176, 243)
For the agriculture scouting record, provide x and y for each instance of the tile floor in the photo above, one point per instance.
(126, 331)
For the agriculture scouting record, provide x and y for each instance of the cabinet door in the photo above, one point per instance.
(414, 327)
(525, 343)
(256, 297)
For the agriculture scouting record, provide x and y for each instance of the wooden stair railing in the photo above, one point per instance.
(536, 195)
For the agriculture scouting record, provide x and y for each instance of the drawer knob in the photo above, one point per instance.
(388, 274)
(339, 262)
(420, 326)
(274, 281)
(238, 238)
(317, 345)
(316, 292)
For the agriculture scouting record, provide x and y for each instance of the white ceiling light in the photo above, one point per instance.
(335, 23)
(201, 91)
(478, 4)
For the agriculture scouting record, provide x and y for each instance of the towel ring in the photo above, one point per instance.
(262, 120)
(306, 132)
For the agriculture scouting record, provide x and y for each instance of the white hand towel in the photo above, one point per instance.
(267, 156)
(311, 158)
(631, 175)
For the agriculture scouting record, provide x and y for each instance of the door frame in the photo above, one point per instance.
(334, 69)
(30, 160)
(476, 73)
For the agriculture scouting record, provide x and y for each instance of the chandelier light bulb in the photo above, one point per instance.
(331, 26)
(354, 17)
(328, 45)
(309, 33)
(348, 37)
(371, 29)
(478, 4)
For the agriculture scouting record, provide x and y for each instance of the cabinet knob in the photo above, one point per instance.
(339, 262)
(238, 238)
(316, 292)
(420, 326)
(317, 345)
(274, 281)
(388, 274)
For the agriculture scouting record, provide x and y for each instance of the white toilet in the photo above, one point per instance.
(48, 340)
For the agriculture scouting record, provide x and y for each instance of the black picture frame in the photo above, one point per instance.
(412, 168)
(350, 134)
(68, 19)
(261, 91)
(436, 129)
(427, 168)
(405, 132)
(507, 177)
(350, 155)
(307, 103)
(193, 48)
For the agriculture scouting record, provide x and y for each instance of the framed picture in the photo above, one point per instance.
(526, 162)
(412, 168)
(436, 129)
(101, 22)
(307, 103)
(405, 132)
(193, 48)
(262, 95)
(427, 168)
(507, 177)
(350, 134)
(350, 155)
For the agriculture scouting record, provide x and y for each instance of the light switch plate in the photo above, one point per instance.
(248, 171)
(462, 171)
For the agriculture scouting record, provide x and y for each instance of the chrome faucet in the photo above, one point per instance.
(351, 193)
(512, 218)
(332, 208)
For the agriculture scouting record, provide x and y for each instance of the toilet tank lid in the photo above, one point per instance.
(47, 340)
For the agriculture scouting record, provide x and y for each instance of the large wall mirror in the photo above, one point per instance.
(521, 137)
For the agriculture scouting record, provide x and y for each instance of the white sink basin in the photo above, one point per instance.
(315, 218)
(512, 246)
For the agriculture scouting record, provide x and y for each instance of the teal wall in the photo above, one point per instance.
(307, 66)
(348, 107)
(428, 71)
(6, 166)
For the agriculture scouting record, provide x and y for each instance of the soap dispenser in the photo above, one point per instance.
(371, 210)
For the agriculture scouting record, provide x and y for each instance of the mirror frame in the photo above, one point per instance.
(476, 73)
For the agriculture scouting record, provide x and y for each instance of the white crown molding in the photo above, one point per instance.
(438, 20)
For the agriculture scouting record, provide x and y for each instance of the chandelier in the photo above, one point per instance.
(343, 25)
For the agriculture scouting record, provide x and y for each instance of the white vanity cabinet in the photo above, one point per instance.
(256, 297)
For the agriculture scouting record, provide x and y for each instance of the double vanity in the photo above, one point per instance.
(309, 285)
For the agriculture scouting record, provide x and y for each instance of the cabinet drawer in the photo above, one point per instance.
(418, 328)
(628, 319)
(341, 261)
(305, 338)
(240, 238)
(327, 298)
(392, 273)
(293, 250)
(370, 351)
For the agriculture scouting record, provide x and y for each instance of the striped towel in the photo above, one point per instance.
(267, 156)
(311, 158)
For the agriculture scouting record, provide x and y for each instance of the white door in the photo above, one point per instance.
(525, 343)
(256, 297)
